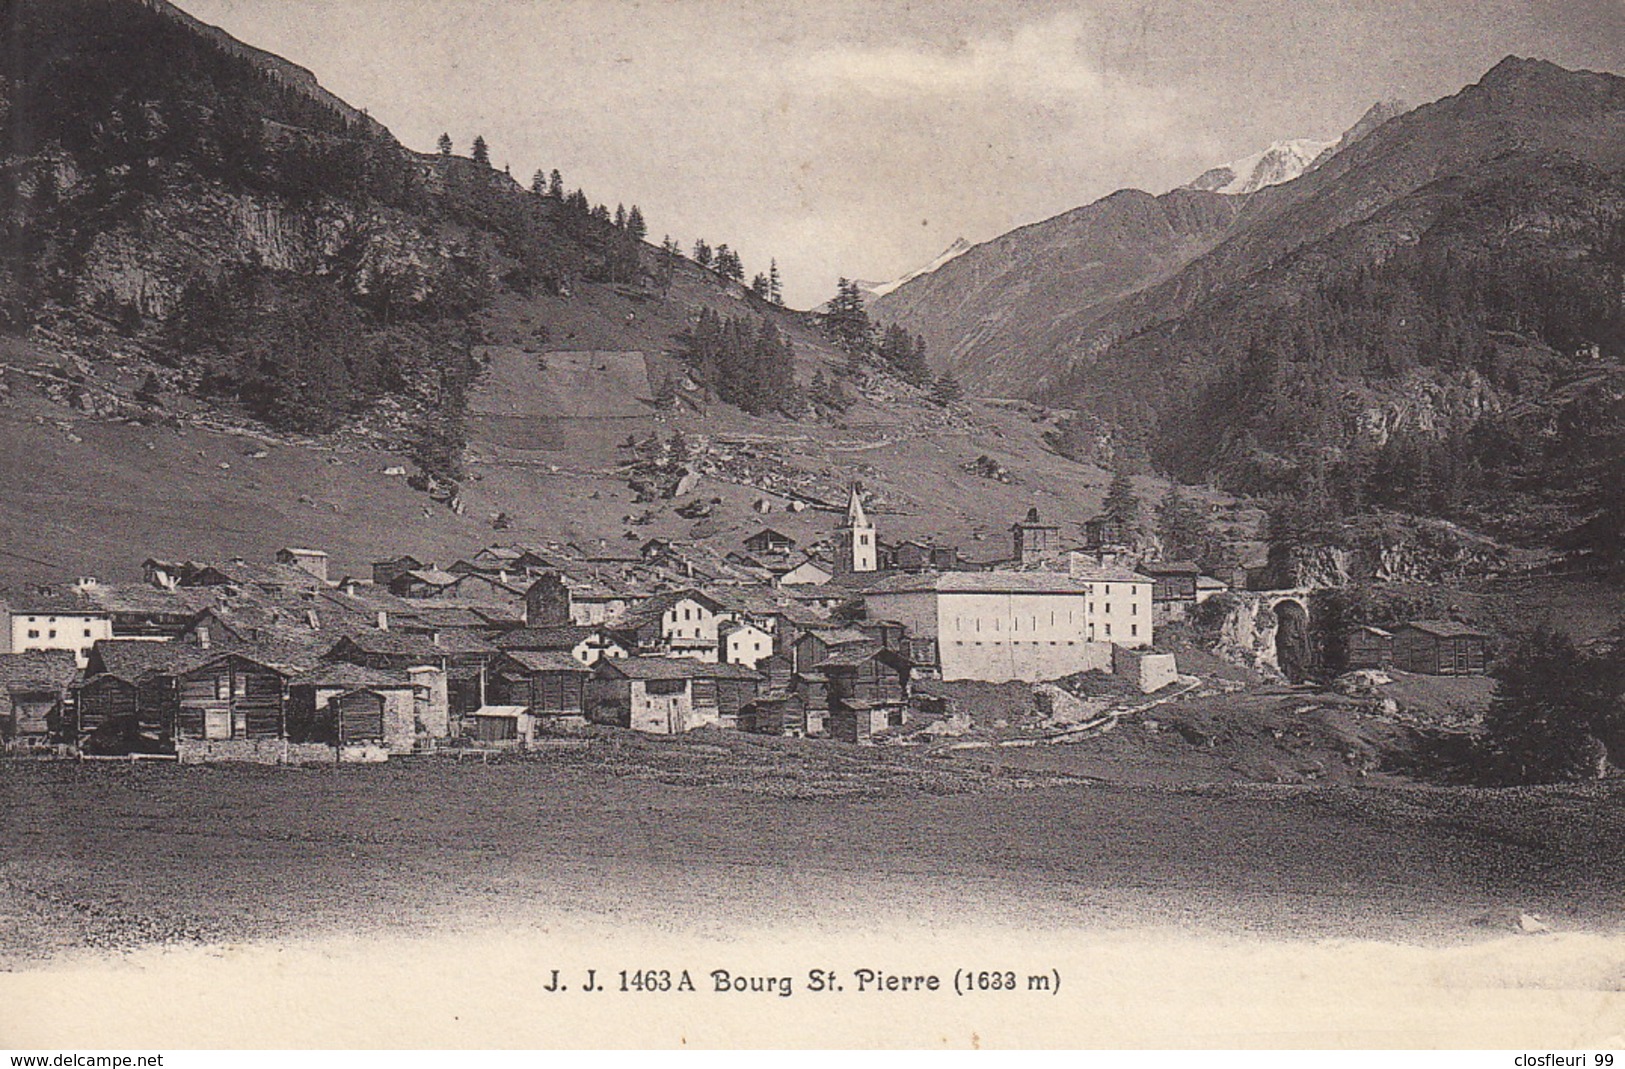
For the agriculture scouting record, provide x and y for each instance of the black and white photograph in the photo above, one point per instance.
(581, 524)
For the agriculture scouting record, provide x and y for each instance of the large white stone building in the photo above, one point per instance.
(57, 623)
(1031, 626)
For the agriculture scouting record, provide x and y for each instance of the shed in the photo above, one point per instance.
(33, 692)
(1370, 647)
(1440, 648)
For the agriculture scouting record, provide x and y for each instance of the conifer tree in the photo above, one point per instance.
(1121, 504)
(555, 185)
(635, 225)
(758, 285)
(847, 322)
(620, 217)
(444, 144)
(481, 154)
(945, 390)
(702, 252)
(538, 183)
(775, 291)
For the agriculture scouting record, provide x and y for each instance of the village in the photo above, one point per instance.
(279, 662)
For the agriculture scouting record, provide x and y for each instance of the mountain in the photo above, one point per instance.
(1008, 316)
(1374, 117)
(880, 289)
(1281, 162)
(991, 314)
(1428, 321)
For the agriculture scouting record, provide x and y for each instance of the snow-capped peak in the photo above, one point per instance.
(1281, 162)
(880, 289)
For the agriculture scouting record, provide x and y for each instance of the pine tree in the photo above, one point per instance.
(444, 144)
(702, 252)
(1184, 529)
(758, 285)
(728, 264)
(538, 183)
(480, 153)
(847, 322)
(670, 253)
(945, 390)
(1552, 703)
(635, 225)
(620, 217)
(555, 185)
(1122, 505)
(775, 291)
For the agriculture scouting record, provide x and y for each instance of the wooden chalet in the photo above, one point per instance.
(549, 684)
(34, 689)
(231, 697)
(1370, 647)
(422, 583)
(769, 541)
(385, 572)
(126, 700)
(1440, 648)
(779, 713)
(814, 645)
(461, 655)
(1172, 581)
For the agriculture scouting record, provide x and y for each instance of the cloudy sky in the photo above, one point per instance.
(859, 139)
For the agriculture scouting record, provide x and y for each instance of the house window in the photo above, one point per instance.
(863, 540)
(1133, 630)
(87, 632)
(1108, 630)
(222, 688)
(1134, 608)
(33, 632)
(1108, 608)
(52, 634)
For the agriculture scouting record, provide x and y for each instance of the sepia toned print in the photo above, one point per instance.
(483, 568)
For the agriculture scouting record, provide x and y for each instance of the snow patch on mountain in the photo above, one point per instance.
(880, 289)
(1281, 162)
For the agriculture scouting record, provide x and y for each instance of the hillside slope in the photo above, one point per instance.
(232, 303)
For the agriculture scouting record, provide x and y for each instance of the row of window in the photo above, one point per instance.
(33, 632)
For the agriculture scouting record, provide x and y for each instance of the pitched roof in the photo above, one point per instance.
(557, 637)
(546, 661)
(402, 644)
(653, 667)
(1445, 628)
(432, 576)
(343, 674)
(839, 636)
(36, 670)
(1170, 567)
(653, 607)
(130, 659)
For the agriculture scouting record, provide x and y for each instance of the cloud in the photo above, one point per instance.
(1035, 60)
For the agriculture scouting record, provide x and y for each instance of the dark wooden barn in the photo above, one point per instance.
(231, 697)
(1440, 648)
(1370, 647)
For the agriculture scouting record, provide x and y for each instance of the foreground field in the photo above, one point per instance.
(703, 835)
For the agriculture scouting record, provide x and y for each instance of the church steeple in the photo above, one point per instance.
(855, 516)
(856, 547)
